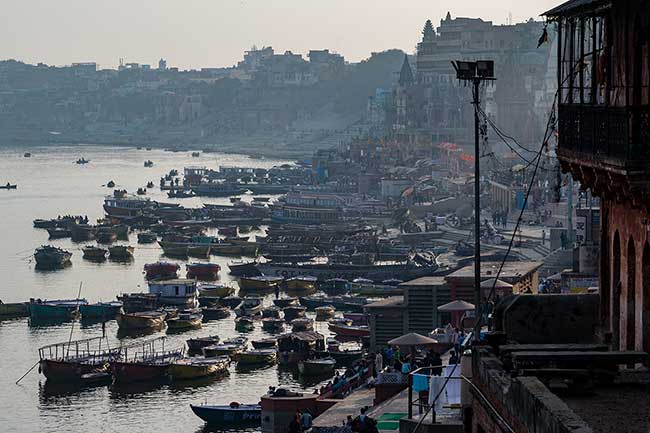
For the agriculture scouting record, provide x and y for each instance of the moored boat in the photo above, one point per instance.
(285, 302)
(301, 283)
(258, 357)
(302, 324)
(185, 321)
(231, 347)
(161, 270)
(196, 368)
(16, 309)
(294, 312)
(272, 324)
(147, 238)
(231, 301)
(196, 345)
(94, 253)
(325, 312)
(274, 312)
(120, 252)
(317, 367)
(243, 269)
(71, 361)
(215, 312)
(260, 283)
(349, 331)
(49, 257)
(215, 290)
(265, 343)
(60, 309)
(100, 310)
(250, 306)
(235, 413)
(58, 233)
(244, 323)
(179, 292)
(147, 361)
(141, 320)
(203, 271)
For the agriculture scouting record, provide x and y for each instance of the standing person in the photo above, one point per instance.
(389, 355)
(436, 363)
(379, 363)
(306, 420)
(543, 237)
(294, 425)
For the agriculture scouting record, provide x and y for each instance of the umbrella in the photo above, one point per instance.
(412, 339)
(456, 306)
(500, 284)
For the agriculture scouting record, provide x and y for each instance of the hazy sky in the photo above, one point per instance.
(212, 33)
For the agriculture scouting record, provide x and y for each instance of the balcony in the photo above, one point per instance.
(607, 148)
(617, 138)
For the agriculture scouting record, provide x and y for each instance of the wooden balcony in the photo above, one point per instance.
(607, 148)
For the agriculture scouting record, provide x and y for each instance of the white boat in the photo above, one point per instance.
(177, 292)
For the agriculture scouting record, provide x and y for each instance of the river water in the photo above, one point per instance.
(51, 184)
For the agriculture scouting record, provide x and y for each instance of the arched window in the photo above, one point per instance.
(616, 290)
(630, 308)
(645, 318)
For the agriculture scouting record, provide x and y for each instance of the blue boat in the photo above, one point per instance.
(100, 310)
(234, 413)
(61, 309)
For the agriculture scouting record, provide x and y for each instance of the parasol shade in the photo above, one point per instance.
(412, 339)
(456, 306)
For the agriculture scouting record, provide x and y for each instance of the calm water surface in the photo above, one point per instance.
(51, 184)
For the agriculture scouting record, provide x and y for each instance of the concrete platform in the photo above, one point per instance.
(338, 414)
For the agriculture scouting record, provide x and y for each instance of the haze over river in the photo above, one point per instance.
(51, 184)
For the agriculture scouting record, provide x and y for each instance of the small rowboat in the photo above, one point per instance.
(59, 233)
(250, 306)
(214, 290)
(141, 320)
(244, 323)
(55, 310)
(231, 301)
(302, 324)
(235, 413)
(349, 331)
(258, 357)
(273, 312)
(325, 313)
(261, 283)
(8, 186)
(185, 321)
(301, 283)
(291, 313)
(203, 271)
(196, 345)
(265, 343)
(231, 347)
(215, 312)
(195, 368)
(286, 302)
(94, 253)
(120, 252)
(317, 367)
(100, 310)
(272, 324)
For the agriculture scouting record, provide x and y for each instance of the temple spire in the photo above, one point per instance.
(428, 33)
(406, 74)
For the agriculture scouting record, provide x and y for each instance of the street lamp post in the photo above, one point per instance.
(475, 73)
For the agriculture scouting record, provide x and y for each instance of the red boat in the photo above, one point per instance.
(161, 270)
(349, 331)
(151, 363)
(70, 361)
(203, 271)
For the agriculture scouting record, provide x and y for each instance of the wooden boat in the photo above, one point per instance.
(147, 238)
(215, 290)
(94, 253)
(133, 302)
(235, 413)
(185, 321)
(302, 324)
(285, 302)
(231, 301)
(335, 285)
(149, 362)
(215, 312)
(120, 252)
(342, 357)
(274, 312)
(196, 345)
(294, 312)
(272, 324)
(203, 271)
(60, 309)
(265, 343)
(301, 283)
(196, 368)
(243, 269)
(258, 357)
(106, 235)
(349, 331)
(317, 367)
(101, 310)
(261, 283)
(141, 320)
(179, 193)
(228, 230)
(238, 249)
(161, 270)
(82, 161)
(82, 232)
(148, 163)
(71, 361)
(49, 257)
(231, 347)
(250, 306)
(244, 323)
(17, 309)
(325, 313)
(297, 346)
(58, 233)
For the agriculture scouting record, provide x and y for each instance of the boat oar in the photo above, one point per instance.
(28, 371)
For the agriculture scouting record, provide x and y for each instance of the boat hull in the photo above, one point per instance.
(65, 371)
(19, 309)
(218, 415)
(51, 312)
(129, 321)
(129, 372)
(196, 371)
